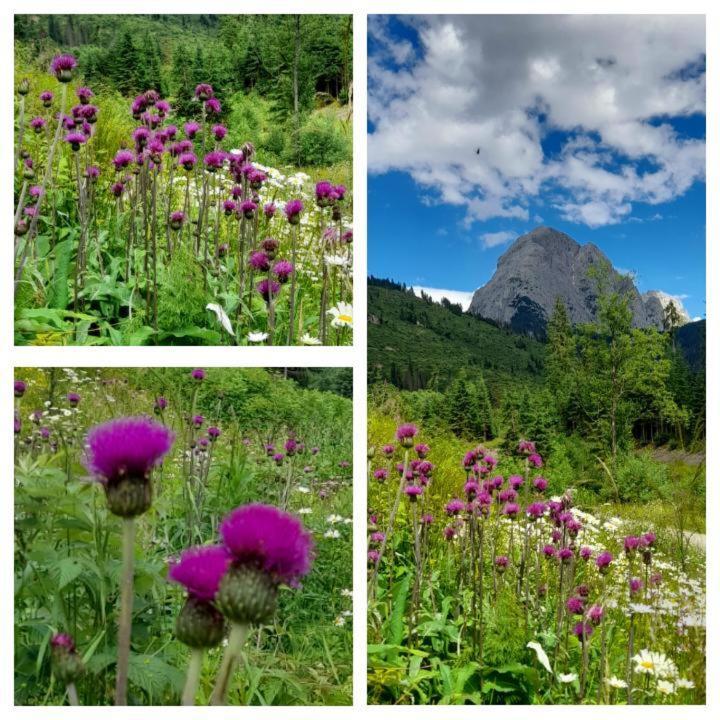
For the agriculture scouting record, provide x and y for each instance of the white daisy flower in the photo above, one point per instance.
(567, 677)
(336, 260)
(332, 534)
(654, 663)
(302, 489)
(304, 511)
(684, 683)
(665, 687)
(616, 682)
(257, 337)
(307, 339)
(339, 621)
(345, 592)
(342, 315)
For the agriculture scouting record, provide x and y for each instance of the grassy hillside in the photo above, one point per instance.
(416, 344)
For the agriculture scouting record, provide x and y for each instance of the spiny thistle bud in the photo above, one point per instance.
(199, 624)
(23, 87)
(67, 665)
(247, 595)
(371, 452)
(21, 227)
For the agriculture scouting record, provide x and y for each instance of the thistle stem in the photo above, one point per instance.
(126, 604)
(238, 635)
(192, 679)
(72, 694)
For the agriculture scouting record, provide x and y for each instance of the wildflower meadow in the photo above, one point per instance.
(491, 583)
(183, 537)
(147, 210)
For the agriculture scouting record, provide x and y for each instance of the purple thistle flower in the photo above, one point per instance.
(575, 605)
(582, 631)
(162, 107)
(73, 398)
(140, 136)
(422, 450)
(413, 492)
(127, 447)
(197, 421)
(187, 160)
(214, 160)
(526, 447)
(259, 261)
(161, 404)
(213, 106)
(17, 424)
(535, 460)
(38, 124)
(549, 551)
(388, 450)
(117, 189)
(377, 537)
(323, 192)
(171, 131)
(515, 481)
(177, 218)
(293, 208)
(269, 209)
(204, 91)
(501, 563)
(449, 532)
(62, 67)
(373, 557)
(511, 509)
(268, 289)
(219, 132)
(380, 474)
(585, 553)
(198, 374)
(84, 94)
(535, 510)
(229, 207)
(405, 434)
(122, 159)
(291, 446)
(649, 539)
(603, 560)
(270, 246)
(20, 388)
(283, 270)
(427, 519)
(540, 484)
(270, 539)
(565, 554)
(44, 433)
(191, 129)
(75, 140)
(200, 570)
(46, 97)
(63, 640)
(635, 585)
(631, 543)
(454, 507)
(213, 433)
(248, 209)
(92, 172)
(278, 458)
(595, 614)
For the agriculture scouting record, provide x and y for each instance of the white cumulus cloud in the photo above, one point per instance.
(466, 112)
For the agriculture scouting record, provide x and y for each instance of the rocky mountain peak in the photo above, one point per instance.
(545, 264)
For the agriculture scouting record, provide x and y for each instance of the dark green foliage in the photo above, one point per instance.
(417, 344)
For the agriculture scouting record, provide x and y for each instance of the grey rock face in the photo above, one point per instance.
(543, 265)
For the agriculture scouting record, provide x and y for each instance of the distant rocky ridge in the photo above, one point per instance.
(545, 264)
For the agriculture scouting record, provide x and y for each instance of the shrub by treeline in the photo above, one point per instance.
(606, 382)
(248, 59)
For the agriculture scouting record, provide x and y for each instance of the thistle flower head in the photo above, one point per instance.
(20, 388)
(213, 106)
(198, 374)
(46, 97)
(259, 261)
(268, 289)
(405, 434)
(214, 160)
(219, 131)
(73, 398)
(413, 492)
(380, 474)
(200, 570)
(38, 124)
(204, 91)
(191, 129)
(274, 541)
(283, 270)
(127, 447)
(62, 67)
(84, 94)
(75, 140)
(293, 208)
(187, 160)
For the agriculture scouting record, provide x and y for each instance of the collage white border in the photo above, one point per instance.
(355, 357)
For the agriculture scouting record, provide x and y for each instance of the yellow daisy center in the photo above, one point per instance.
(647, 664)
(345, 318)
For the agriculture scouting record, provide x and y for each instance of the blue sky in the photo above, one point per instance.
(599, 136)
